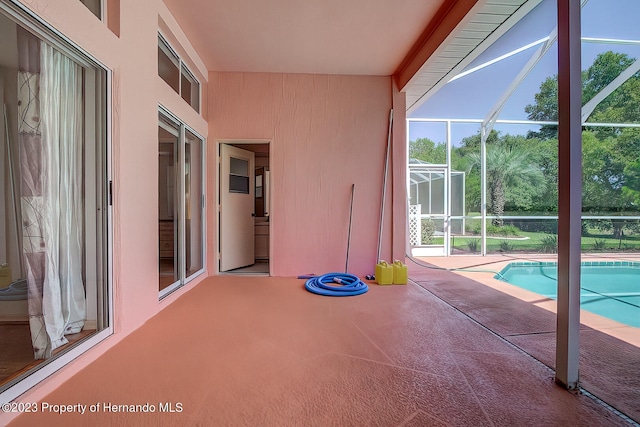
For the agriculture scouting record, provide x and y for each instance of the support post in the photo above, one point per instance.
(484, 134)
(569, 194)
(447, 192)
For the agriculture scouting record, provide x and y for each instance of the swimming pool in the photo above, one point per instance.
(608, 288)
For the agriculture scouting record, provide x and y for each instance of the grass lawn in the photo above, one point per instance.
(541, 243)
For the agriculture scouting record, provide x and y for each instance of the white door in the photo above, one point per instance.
(237, 205)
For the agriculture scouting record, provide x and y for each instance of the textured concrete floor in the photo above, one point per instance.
(259, 351)
(609, 351)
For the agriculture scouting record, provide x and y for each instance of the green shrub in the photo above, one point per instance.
(599, 244)
(629, 247)
(504, 230)
(473, 245)
(428, 230)
(549, 244)
(506, 246)
(534, 226)
(473, 228)
(495, 230)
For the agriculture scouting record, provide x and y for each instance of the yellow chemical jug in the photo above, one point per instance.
(5, 275)
(384, 273)
(400, 276)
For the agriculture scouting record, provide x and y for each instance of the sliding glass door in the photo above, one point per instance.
(54, 202)
(168, 206)
(180, 203)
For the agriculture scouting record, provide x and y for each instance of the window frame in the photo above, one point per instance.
(183, 72)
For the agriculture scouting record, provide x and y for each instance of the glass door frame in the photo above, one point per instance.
(99, 198)
(179, 203)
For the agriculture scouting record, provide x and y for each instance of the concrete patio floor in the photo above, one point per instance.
(610, 351)
(248, 351)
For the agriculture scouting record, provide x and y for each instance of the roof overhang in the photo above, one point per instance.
(483, 24)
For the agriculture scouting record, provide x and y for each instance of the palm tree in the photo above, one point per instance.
(507, 167)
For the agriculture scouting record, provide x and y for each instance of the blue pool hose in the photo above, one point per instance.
(345, 285)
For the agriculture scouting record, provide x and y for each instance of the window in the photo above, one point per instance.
(190, 88)
(238, 176)
(180, 203)
(168, 65)
(176, 74)
(95, 6)
(53, 202)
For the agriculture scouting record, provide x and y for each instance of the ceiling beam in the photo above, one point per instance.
(444, 22)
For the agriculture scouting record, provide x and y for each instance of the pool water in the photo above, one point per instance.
(610, 289)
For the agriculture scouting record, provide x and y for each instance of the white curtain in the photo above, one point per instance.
(50, 133)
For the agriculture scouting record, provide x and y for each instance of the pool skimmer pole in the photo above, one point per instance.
(353, 189)
(384, 185)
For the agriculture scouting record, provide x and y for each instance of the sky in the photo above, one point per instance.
(473, 96)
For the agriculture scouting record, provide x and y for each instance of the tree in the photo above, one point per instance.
(511, 176)
(462, 160)
(622, 105)
(545, 108)
(544, 154)
(619, 107)
(605, 68)
(426, 150)
(610, 154)
(631, 189)
(608, 169)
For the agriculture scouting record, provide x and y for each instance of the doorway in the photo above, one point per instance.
(429, 209)
(244, 207)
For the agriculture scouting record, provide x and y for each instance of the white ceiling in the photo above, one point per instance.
(363, 37)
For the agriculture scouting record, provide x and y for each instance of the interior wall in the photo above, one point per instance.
(11, 240)
(137, 90)
(327, 132)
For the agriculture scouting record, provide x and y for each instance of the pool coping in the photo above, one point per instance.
(584, 263)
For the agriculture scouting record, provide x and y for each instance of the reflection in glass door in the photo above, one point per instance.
(168, 139)
(180, 204)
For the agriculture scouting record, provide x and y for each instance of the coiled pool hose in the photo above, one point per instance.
(346, 285)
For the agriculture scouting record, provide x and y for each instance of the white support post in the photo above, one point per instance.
(569, 194)
(447, 181)
(483, 188)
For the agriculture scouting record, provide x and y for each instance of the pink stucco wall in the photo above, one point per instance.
(326, 132)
